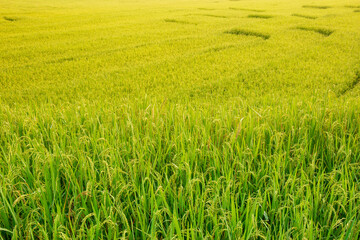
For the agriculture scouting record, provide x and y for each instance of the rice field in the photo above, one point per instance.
(182, 119)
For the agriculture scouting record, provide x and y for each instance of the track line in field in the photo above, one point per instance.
(250, 33)
(304, 16)
(351, 85)
(317, 6)
(261, 16)
(323, 31)
(246, 9)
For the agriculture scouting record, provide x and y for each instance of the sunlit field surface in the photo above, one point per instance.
(179, 119)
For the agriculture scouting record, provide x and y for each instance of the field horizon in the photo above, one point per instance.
(228, 119)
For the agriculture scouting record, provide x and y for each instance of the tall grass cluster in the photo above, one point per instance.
(155, 170)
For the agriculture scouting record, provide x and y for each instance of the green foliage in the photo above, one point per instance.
(153, 120)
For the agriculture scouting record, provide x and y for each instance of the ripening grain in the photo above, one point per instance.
(157, 119)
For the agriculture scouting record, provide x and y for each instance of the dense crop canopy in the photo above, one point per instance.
(179, 119)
